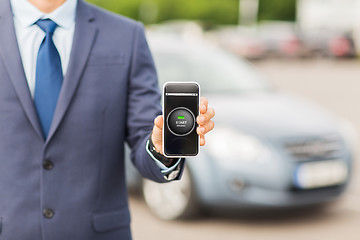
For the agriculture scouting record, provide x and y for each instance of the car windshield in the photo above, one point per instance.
(214, 70)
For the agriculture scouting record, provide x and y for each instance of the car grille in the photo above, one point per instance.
(315, 148)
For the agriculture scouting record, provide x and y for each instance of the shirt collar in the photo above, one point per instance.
(28, 14)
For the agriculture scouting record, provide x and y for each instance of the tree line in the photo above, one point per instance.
(211, 11)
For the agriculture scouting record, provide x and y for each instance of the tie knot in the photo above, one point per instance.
(47, 25)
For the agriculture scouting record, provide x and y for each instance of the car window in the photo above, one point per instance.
(215, 71)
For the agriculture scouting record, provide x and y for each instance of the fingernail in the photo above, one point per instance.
(202, 130)
(201, 119)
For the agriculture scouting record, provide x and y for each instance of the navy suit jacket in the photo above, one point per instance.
(109, 96)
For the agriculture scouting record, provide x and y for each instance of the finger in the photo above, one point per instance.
(203, 129)
(204, 101)
(203, 105)
(159, 121)
(200, 131)
(202, 109)
(202, 140)
(204, 118)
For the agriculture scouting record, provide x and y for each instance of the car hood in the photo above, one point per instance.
(272, 115)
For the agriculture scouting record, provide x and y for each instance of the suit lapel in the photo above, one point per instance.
(84, 36)
(9, 51)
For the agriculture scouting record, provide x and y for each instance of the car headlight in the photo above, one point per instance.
(348, 132)
(231, 146)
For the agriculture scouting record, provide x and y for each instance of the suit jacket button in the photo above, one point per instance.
(48, 213)
(48, 165)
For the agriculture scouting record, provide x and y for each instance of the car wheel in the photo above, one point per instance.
(174, 200)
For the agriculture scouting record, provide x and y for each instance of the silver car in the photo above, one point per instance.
(269, 148)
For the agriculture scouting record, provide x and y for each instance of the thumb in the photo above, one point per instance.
(157, 133)
(159, 121)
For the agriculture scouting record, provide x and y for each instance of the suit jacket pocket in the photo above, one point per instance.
(96, 59)
(107, 221)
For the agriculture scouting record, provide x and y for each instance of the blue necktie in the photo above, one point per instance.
(49, 77)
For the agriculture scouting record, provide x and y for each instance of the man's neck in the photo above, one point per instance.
(47, 6)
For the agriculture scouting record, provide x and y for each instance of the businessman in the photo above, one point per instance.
(76, 83)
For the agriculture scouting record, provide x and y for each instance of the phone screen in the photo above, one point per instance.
(181, 108)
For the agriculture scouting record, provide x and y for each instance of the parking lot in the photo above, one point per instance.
(334, 85)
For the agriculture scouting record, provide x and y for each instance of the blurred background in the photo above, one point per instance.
(283, 77)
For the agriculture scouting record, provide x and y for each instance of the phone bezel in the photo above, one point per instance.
(163, 111)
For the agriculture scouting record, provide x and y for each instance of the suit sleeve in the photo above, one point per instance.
(143, 106)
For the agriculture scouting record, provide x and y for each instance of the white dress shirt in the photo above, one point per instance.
(30, 36)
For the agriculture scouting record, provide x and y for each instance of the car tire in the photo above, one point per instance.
(174, 200)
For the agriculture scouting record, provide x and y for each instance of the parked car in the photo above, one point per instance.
(241, 41)
(330, 44)
(269, 148)
(183, 29)
(330, 18)
(283, 39)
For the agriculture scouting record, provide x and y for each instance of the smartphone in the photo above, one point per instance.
(181, 102)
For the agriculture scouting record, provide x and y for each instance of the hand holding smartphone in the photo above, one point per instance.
(180, 108)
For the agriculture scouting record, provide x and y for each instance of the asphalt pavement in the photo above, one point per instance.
(335, 85)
